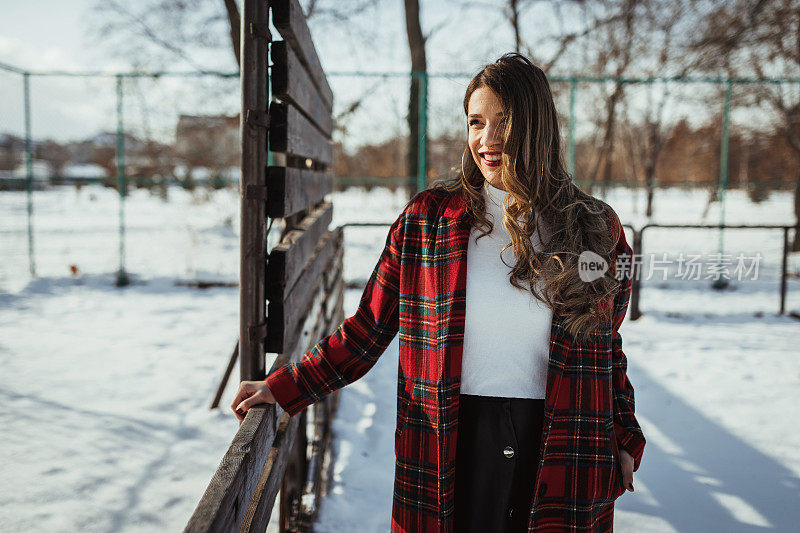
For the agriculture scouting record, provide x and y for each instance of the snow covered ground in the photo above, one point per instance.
(104, 392)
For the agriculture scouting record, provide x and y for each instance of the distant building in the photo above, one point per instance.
(11, 149)
(42, 170)
(210, 141)
(88, 170)
(17, 178)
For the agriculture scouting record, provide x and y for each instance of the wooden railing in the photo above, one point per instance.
(290, 297)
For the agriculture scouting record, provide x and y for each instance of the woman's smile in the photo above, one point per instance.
(486, 120)
(491, 159)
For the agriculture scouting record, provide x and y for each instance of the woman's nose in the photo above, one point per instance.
(492, 137)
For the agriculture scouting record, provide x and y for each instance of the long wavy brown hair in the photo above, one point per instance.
(541, 193)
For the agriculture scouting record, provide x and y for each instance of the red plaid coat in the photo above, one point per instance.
(418, 289)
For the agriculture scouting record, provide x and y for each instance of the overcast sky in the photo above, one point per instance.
(46, 34)
(51, 34)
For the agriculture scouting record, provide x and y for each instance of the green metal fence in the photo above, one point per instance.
(440, 112)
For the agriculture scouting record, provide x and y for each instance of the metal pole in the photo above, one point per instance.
(636, 286)
(723, 163)
(721, 283)
(122, 276)
(422, 138)
(573, 92)
(26, 83)
(783, 269)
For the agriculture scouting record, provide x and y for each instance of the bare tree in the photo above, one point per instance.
(619, 40)
(611, 28)
(759, 38)
(159, 32)
(662, 21)
(234, 20)
(419, 63)
(513, 10)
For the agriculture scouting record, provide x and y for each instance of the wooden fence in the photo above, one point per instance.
(291, 297)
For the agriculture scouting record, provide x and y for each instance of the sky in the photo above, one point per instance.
(48, 35)
(51, 35)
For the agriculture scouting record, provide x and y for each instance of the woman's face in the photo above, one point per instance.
(486, 121)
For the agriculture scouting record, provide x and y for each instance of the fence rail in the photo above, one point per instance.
(637, 246)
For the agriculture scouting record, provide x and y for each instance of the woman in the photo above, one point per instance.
(514, 410)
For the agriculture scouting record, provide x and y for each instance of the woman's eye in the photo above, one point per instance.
(473, 122)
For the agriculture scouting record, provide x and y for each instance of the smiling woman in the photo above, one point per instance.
(514, 409)
(514, 141)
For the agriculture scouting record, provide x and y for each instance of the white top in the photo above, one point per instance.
(507, 330)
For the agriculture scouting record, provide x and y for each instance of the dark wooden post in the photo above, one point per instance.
(253, 127)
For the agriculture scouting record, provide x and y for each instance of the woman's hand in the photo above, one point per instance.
(626, 462)
(250, 393)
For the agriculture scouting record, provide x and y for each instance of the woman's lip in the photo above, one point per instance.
(490, 163)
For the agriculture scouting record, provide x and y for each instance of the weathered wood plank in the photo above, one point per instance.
(315, 326)
(257, 513)
(292, 83)
(306, 267)
(288, 18)
(333, 316)
(288, 258)
(317, 447)
(324, 413)
(328, 314)
(292, 133)
(223, 505)
(242, 492)
(228, 370)
(291, 190)
(285, 312)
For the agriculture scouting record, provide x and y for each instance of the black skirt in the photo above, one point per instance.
(496, 462)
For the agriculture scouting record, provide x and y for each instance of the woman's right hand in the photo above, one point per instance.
(250, 393)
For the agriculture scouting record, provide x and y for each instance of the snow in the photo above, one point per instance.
(104, 403)
(105, 392)
(86, 170)
(40, 170)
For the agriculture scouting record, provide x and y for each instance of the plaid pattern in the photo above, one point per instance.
(418, 290)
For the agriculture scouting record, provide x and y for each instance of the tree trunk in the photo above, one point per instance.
(607, 145)
(234, 19)
(416, 43)
(513, 8)
(650, 181)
